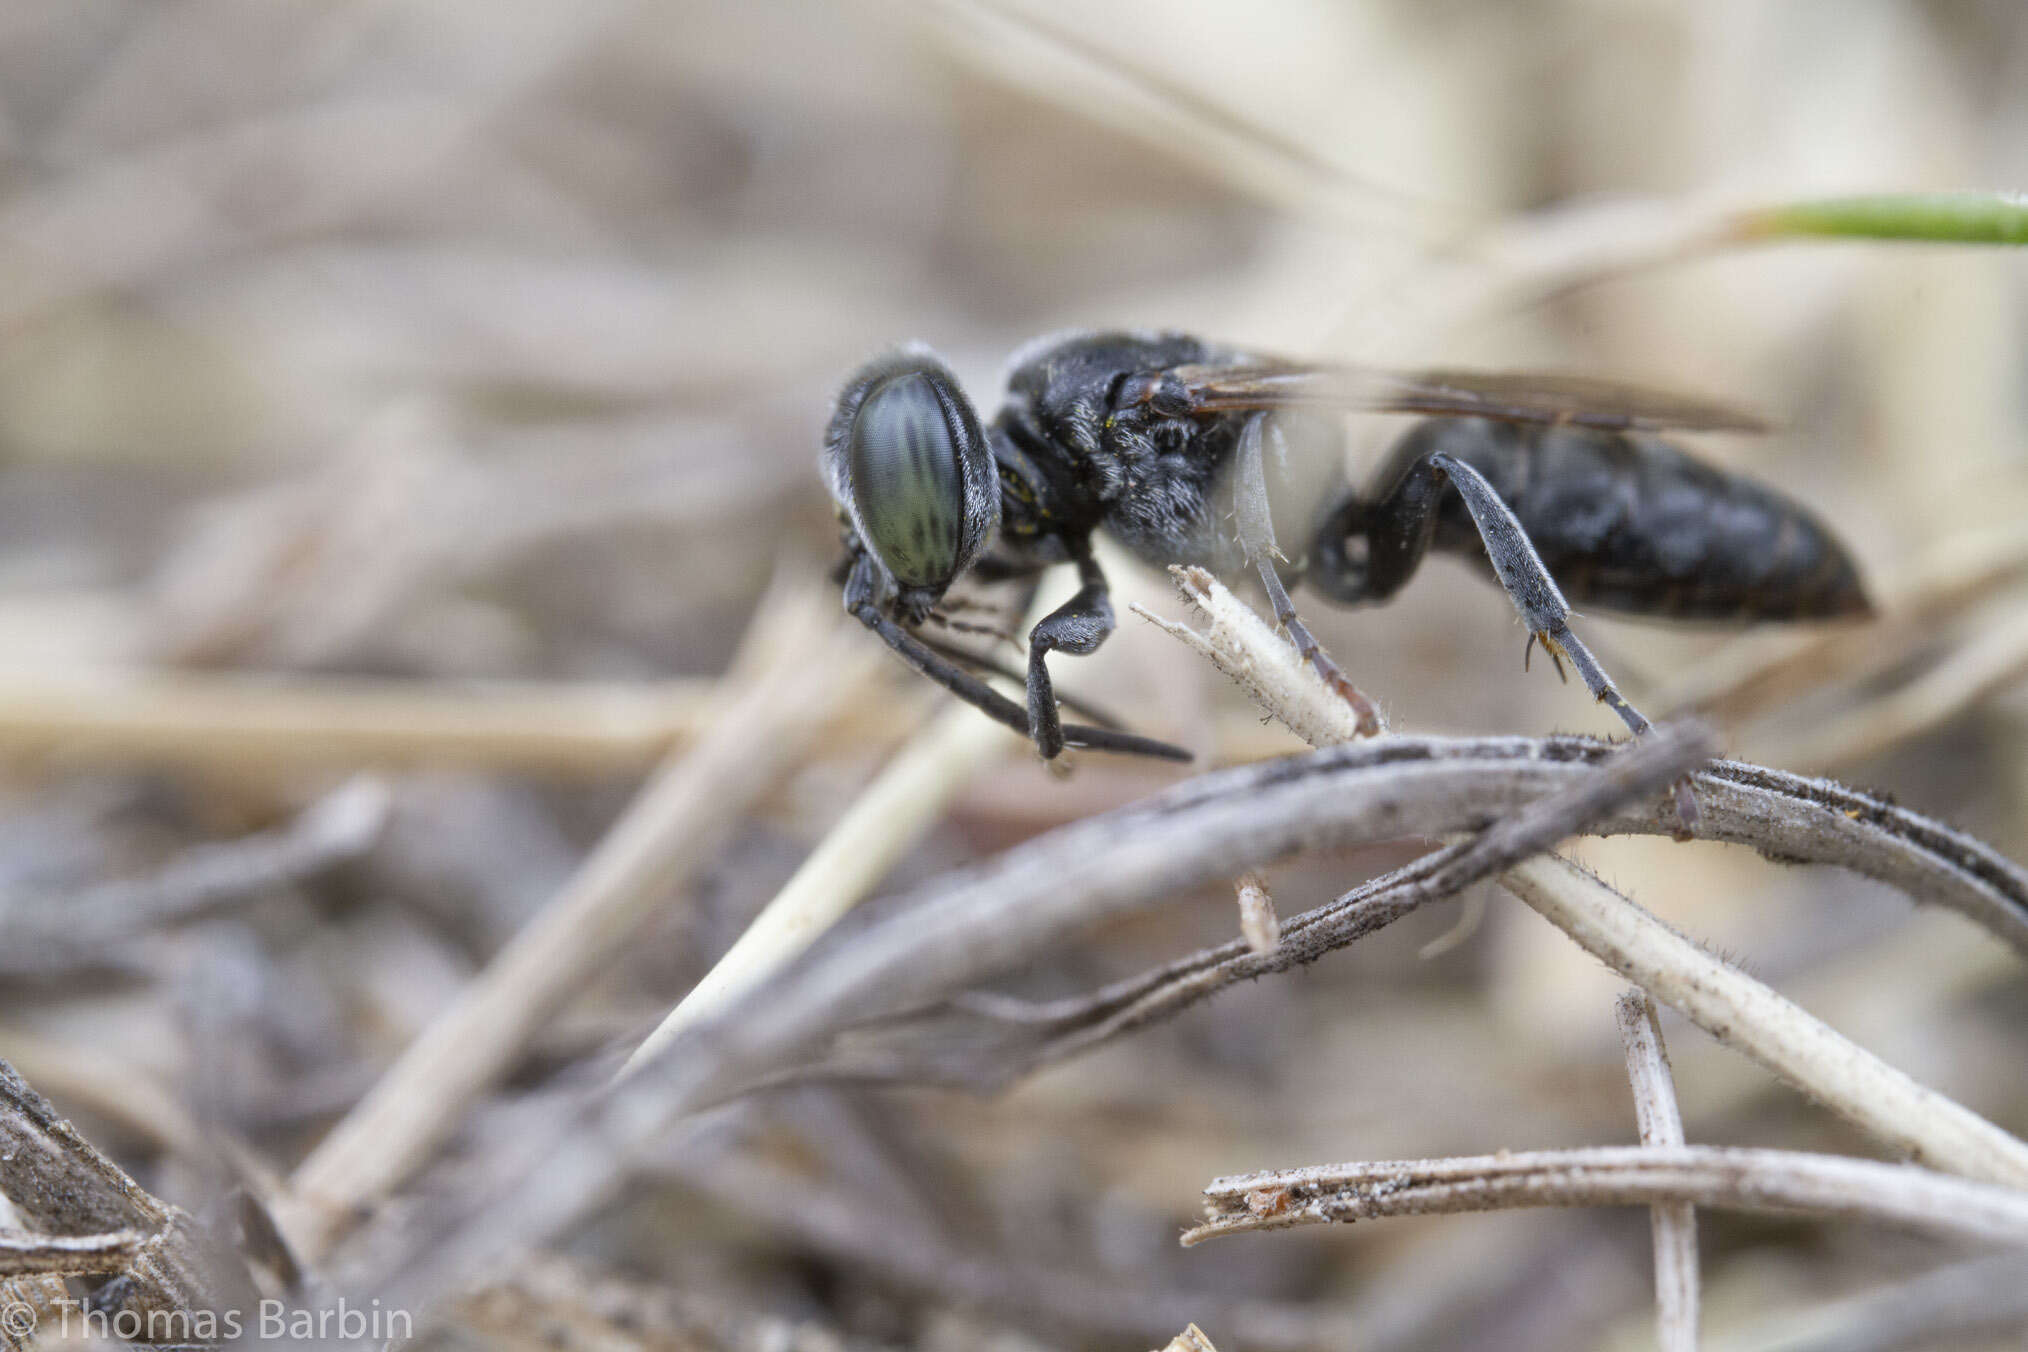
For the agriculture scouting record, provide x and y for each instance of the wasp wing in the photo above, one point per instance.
(1514, 396)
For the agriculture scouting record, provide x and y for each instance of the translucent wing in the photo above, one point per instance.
(1514, 396)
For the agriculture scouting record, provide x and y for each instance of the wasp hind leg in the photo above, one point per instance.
(1530, 587)
(1257, 539)
(1543, 609)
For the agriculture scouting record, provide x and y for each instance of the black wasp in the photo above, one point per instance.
(1170, 444)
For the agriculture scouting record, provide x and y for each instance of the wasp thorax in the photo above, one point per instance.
(912, 454)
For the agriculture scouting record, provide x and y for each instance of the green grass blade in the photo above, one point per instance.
(1948, 218)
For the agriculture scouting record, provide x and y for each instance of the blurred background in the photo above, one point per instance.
(432, 392)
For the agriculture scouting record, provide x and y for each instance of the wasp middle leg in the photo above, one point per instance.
(1257, 539)
(1077, 626)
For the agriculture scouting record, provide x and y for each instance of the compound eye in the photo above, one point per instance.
(907, 453)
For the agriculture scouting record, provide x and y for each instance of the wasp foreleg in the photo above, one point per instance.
(983, 662)
(861, 603)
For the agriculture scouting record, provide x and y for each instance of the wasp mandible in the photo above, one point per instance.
(1171, 445)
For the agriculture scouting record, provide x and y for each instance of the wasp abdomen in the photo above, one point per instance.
(1623, 522)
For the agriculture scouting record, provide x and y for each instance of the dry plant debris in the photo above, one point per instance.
(403, 410)
(1670, 1176)
(80, 1216)
(1258, 924)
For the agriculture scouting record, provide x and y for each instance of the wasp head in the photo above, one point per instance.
(909, 466)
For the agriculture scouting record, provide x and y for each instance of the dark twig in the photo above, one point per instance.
(984, 1041)
(1009, 1037)
(1781, 1182)
(57, 1182)
(62, 1188)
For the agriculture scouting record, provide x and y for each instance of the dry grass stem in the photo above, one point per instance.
(671, 829)
(883, 822)
(1531, 259)
(946, 938)
(56, 1181)
(1749, 1017)
(226, 722)
(205, 721)
(1246, 648)
(1661, 1124)
(1780, 1182)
